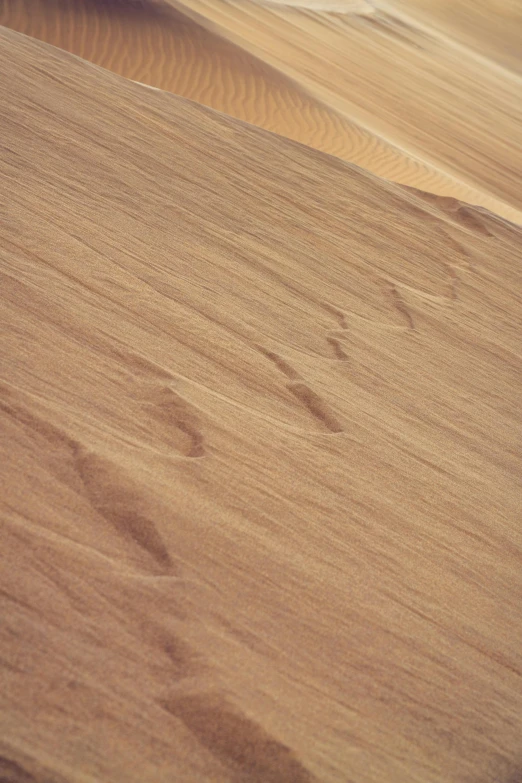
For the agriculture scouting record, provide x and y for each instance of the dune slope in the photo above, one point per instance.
(491, 28)
(152, 43)
(372, 85)
(456, 117)
(260, 453)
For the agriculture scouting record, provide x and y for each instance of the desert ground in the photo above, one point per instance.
(260, 383)
(370, 83)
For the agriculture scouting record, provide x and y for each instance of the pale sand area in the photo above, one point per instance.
(259, 453)
(491, 28)
(360, 84)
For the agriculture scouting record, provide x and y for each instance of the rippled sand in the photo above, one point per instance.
(359, 83)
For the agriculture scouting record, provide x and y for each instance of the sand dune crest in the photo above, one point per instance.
(340, 77)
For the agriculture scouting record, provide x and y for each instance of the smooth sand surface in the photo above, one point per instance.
(491, 28)
(260, 453)
(396, 94)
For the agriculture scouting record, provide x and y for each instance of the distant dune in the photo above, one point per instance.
(491, 28)
(260, 433)
(421, 89)
(152, 43)
(346, 78)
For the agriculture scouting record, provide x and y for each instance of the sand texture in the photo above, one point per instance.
(422, 92)
(454, 114)
(260, 432)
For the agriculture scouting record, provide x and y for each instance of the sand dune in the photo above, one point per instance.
(154, 44)
(260, 453)
(492, 28)
(297, 83)
(411, 87)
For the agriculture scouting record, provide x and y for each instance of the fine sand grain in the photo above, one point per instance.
(260, 434)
